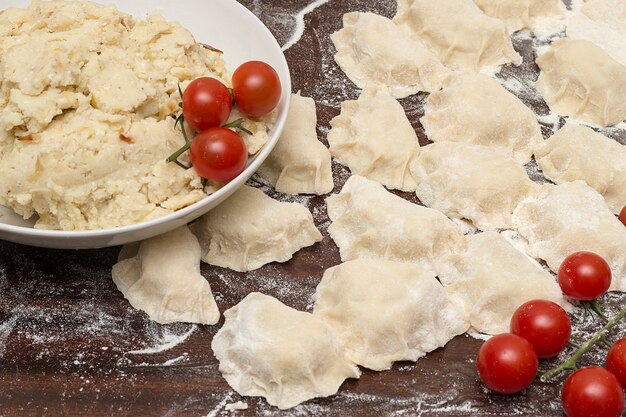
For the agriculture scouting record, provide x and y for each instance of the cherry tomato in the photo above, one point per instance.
(592, 391)
(507, 363)
(218, 154)
(584, 276)
(206, 103)
(256, 88)
(616, 361)
(544, 324)
(622, 216)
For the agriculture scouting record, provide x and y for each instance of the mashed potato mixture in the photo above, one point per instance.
(85, 98)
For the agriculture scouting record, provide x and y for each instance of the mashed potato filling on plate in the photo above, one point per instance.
(85, 98)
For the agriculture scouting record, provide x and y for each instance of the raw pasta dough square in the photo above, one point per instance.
(471, 182)
(299, 164)
(382, 311)
(370, 222)
(250, 229)
(602, 22)
(578, 153)
(161, 276)
(493, 279)
(287, 356)
(375, 139)
(520, 14)
(579, 79)
(459, 32)
(373, 51)
(475, 108)
(568, 218)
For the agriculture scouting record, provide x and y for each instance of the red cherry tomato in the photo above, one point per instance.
(622, 216)
(507, 363)
(592, 391)
(616, 361)
(206, 103)
(218, 154)
(544, 324)
(584, 276)
(256, 87)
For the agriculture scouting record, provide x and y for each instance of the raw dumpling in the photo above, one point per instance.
(458, 31)
(471, 182)
(299, 164)
(602, 22)
(287, 356)
(374, 138)
(578, 79)
(370, 222)
(493, 279)
(372, 50)
(382, 311)
(568, 218)
(519, 14)
(578, 153)
(250, 229)
(475, 108)
(161, 276)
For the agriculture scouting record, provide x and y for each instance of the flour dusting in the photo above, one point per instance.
(5, 330)
(104, 350)
(166, 338)
(239, 405)
(299, 30)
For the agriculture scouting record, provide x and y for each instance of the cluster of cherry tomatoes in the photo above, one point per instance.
(217, 152)
(540, 329)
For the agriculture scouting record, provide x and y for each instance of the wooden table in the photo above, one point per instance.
(71, 345)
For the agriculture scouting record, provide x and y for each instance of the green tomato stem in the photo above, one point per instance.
(571, 363)
(595, 307)
(237, 124)
(174, 157)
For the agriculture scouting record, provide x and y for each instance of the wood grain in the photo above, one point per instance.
(70, 334)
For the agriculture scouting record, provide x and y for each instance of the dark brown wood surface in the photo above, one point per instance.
(68, 338)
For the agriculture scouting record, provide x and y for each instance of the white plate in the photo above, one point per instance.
(224, 24)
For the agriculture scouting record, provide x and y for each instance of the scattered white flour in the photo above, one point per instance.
(552, 120)
(221, 405)
(5, 330)
(479, 336)
(122, 335)
(491, 71)
(546, 28)
(299, 30)
(239, 405)
(165, 339)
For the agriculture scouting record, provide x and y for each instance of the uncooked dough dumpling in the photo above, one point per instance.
(519, 14)
(471, 182)
(382, 311)
(578, 153)
(250, 229)
(372, 50)
(568, 218)
(299, 164)
(370, 222)
(459, 32)
(161, 276)
(579, 79)
(475, 108)
(602, 22)
(493, 279)
(375, 139)
(287, 356)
